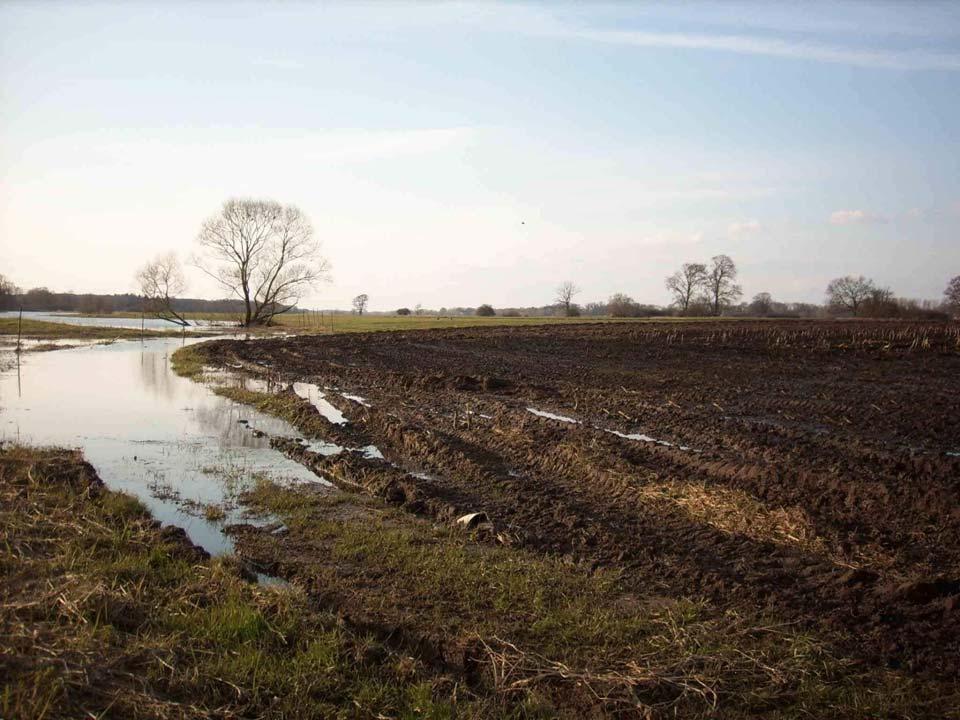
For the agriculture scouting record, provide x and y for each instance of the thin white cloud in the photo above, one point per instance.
(855, 217)
(744, 227)
(775, 47)
(671, 239)
(278, 63)
(242, 147)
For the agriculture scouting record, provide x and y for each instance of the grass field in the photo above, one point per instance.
(369, 323)
(313, 323)
(106, 615)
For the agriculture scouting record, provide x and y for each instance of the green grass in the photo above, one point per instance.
(188, 362)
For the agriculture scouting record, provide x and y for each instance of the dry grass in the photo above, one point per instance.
(557, 636)
(735, 511)
(104, 615)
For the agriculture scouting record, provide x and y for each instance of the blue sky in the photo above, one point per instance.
(453, 154)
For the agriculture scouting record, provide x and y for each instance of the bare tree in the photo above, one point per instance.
(686, 283)
(951, 295)
(761, 304)
(161, 281)
(565, 292)
(849, 292)
(720, 285)
(360, 303)
(264, 253)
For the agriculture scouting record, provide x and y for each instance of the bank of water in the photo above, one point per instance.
(171, 442)
(116, 322)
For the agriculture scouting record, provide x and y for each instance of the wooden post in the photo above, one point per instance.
(19, 328)
(141, 323)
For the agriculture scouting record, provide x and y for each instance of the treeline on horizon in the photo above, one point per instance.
(618, 305)
(43, 300)
(623, 306)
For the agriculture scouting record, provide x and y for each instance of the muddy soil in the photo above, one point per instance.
(804, 469)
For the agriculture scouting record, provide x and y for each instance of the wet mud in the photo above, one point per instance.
(802, 469)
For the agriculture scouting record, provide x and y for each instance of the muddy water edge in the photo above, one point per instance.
(184, 451)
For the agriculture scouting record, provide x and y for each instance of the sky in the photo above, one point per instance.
(452, 154)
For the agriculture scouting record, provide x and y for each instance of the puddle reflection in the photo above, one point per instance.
(147, 431)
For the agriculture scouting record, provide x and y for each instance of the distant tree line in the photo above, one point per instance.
(698, 290)
(43, 300)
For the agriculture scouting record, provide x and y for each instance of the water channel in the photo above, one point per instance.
(170, 441)
(131, 323)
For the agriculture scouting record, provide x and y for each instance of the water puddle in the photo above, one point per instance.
(167, 440)
(640, 437)
(552, 416)
(307, 391)
(316, 397)
(637, 437)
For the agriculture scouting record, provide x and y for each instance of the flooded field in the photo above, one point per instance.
(804, 470)
(148, 323)
(608, 521)
(169, 441)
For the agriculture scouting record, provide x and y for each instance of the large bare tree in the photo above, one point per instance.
(686, 283)
(565, 292)
(720, 285)
(849, 292)
(264, 253)
(161, 281)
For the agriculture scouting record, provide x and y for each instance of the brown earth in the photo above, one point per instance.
(806, 470)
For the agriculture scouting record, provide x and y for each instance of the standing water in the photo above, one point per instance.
(169, 441)
(118, 321)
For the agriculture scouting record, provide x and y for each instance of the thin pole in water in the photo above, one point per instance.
(19, 328)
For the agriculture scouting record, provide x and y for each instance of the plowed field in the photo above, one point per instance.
(805, 470)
